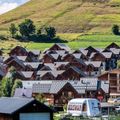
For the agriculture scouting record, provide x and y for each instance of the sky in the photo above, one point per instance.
(7, 5)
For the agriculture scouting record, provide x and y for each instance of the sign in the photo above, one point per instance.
(74, 107)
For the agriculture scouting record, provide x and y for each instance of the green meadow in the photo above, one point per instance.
(98, 41)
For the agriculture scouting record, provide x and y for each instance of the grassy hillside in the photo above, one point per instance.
(67, 16)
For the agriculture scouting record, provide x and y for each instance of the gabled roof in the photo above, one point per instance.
(80, 61)
(66, 55)
(107, 54)
(77, 70)
(26, 74)
(20, 48)
(92, 54)
(33, 64)
(23, 58)
(54, 73)
(90, 48)
(77, 55)
(115, 51)
(55, 56)
(20, 62)
(99, 49)
(51, 65)
(47, 74)
(61, 52)
(57, 86)
(12, 104)
(41, 88)
(83, 51)
(35, 52)
(30, 83)
(50, 52)
(96, 64)
(60, 45)
(57, 64)
(112, 45)
(45, 68)
(103, 54)
(76, 51)
(63, 46)
(54, 87)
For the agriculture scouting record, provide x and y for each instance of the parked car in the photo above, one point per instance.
(114, 100)
(117, 108)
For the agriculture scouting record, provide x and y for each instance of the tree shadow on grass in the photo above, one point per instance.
(41, 39)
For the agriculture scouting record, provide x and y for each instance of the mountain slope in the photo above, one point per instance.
(67, 16)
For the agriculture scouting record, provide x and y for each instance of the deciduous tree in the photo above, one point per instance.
(27, 28)
(50, 31)
(13, 30)
(17, 84)
(6, 87)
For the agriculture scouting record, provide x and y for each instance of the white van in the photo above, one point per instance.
(84, 107)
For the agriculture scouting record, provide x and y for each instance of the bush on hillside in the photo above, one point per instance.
(115, 30)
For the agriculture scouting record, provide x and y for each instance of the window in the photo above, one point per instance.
(70, 94)
(113, 76)
(56, 101)
(84, 109)
(99, 106)
(63, 93)
(92, 105)
(64, 101)
(52, 96)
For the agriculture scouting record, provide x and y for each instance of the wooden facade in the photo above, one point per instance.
(48, 59)
(113, 77)
(33, 107)
(79, 64)
(70, 74)
(18, 51)
(16, 65)
(48, 76)
(98, 57)
(64, 95)
(68, 58)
